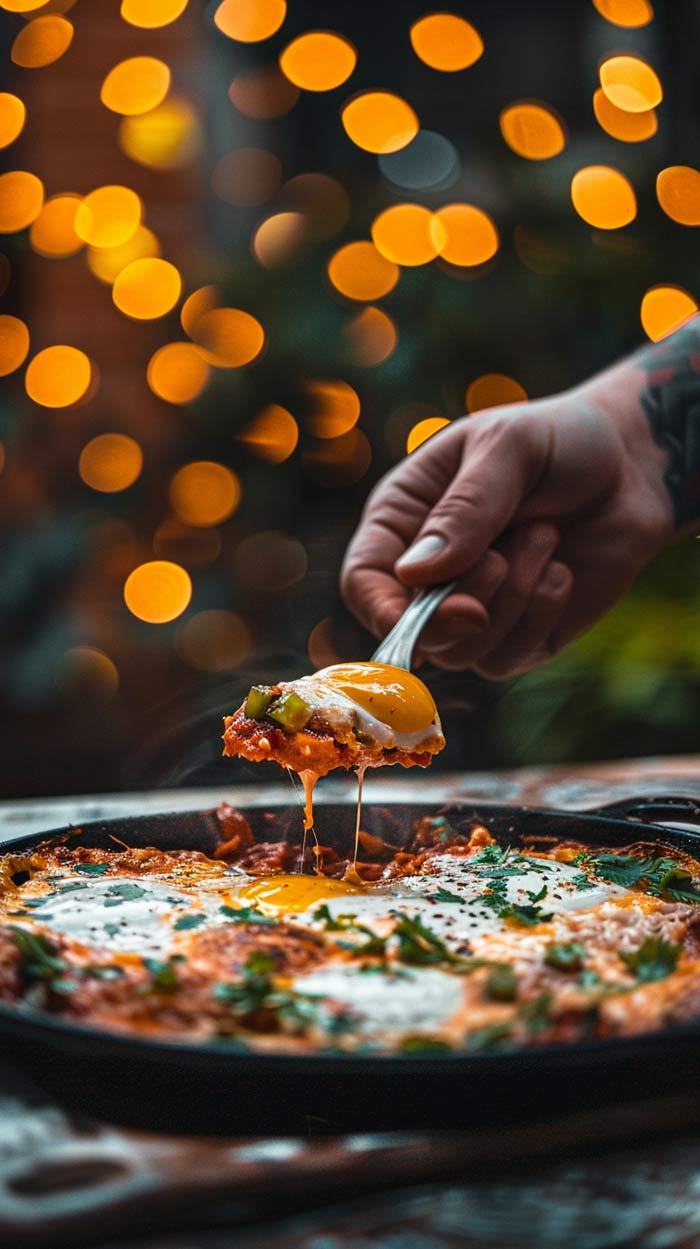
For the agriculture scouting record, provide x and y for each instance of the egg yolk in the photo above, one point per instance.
(397, 698)
(278, 895)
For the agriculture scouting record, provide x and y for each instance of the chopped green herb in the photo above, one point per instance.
(92, 869)
(417, 944)
(38, 956)
(104, 971)
(164, 972)
(589, 979)
(64, 986)
(565, 956)
(125, 891)
(444, 895)
(654, 960)
(525, 914)
(493, 1037)
(537, 897)
(245, 915)
(112, 929)
(581, 881)
(75, 887)
(502, 984)
(663, 877)
(188, 921)
(414, 1043)
(535, 1014)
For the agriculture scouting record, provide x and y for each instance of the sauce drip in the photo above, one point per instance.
(351, 875)
(308, 780)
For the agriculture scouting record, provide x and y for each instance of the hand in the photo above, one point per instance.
(545, 511)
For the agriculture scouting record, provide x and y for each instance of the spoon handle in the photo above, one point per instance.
(398, 645)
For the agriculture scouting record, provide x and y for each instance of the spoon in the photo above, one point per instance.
(398, 645)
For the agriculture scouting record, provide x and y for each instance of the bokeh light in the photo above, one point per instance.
(204, 299)
(678, 193)
(430, 161)
(408, 234)
(58, 376)
(339, 462)
(12, 117)
(84, 671)
(371, 337)
(322, 652)
(147, 288)
(360, 272)
(14, 344)
(52, 233)
(185, 544)
(177, 372)
(625, 12)
(247, 177)
(425, 430)
(21, 6)
(106, 263)
(493, 390)
(110, 462)
(229, 337)
(379, 121)
(630, 84)
(628, 127)
(158, 591)
(663, 309)
(21, 200)
(272, 435)
(150, 14)
(43, 41)
(250, 21)
(167, 137)
(532, 130)
(321, 199)
(269, 562)
(603, 197)
(445, 41)
(471, 237)
(262, 93)
(136, 85)
(108, 216)
(318, 61)
(204, 493)
(278, 239)
(335, 408)
(214, 641)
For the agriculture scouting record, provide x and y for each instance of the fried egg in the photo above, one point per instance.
(377, 702)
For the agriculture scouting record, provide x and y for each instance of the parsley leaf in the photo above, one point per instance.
(164, 972)
(92, 869)
(535, 1014)
(125, 891)
(444, 895)
(537, 897)
(654, 960)
(38, 956)
(245, 915)
(565, 956)
(188, 921)
(502, 984)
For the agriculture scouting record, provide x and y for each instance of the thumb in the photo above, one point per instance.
(494, 476)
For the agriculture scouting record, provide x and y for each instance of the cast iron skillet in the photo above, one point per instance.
(208, 1089)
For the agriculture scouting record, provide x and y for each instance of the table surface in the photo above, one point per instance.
(647, 1196)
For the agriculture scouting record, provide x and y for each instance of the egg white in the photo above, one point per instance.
(346, 717)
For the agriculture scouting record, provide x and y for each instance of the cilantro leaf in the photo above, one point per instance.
(655, 959)
(444, 895)
(565, 956)
(245, 915)
(188, 921)
(502, 983)
(125, 891)
(92, 869)
(164, 972)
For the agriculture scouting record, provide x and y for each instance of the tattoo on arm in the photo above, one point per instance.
(671, 403)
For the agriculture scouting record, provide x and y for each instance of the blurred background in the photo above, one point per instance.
(247, 267)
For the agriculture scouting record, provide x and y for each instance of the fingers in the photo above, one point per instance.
(530, 642)
(528, 551)
(455, 621)
(501, 458)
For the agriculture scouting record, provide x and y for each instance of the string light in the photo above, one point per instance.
(14, 344)
(678, 193)
(628, 127)
(664, 308)
(150, 14)
(371, 337)
(58, 376)
(272, 435)
(603, 197)
(630, 84)
(625, 12)
(43, 41)
(318, 61)
(278, 239)
(85, 668)
(177, 372)
(408, 234)
(136, 85)
(493, 390)
(158, 591)
(204, 493)
(53, 233)
(146, 289)
(21, 200)
(471, 238)
(424, 430)
(108, 216)
(446, 42)
(200, 301)
(229, 337)
(335, 408)
(532, 130)
(167, 137)
(379, 121)
(106, 263)
(250, 21)
(12, 117)
(359, 271)
(110, 462)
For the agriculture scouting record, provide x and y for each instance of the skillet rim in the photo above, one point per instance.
(592, 1052)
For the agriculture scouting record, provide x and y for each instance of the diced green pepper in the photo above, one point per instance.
(258, 701)
(568, 956)
(502, 985)
(290, 711)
